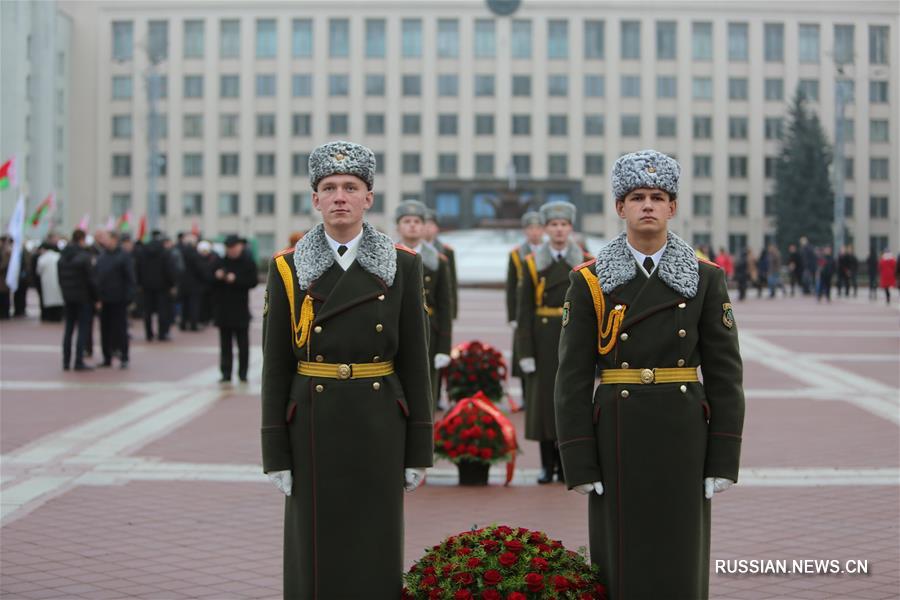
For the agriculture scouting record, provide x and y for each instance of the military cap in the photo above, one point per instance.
(430, 215)
(557, 210)
(645, 169)
(532, 217)
(411, 208)
(341, 158)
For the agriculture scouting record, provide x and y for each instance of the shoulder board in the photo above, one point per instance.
(287, 250)
(405, 249)
(587, 263)
(709, 262)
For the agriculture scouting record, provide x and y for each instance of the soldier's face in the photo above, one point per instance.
(534, 234)
(646, 211)
(410, 229)
(342, 200)
(558, 231)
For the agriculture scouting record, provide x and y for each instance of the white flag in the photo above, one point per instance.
(16, 224)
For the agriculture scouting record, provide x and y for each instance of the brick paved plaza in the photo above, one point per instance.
(146, 483)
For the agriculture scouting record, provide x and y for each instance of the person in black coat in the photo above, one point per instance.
(233, 277)
(191, 283)
(114, 273)
(79, 293)
(156, 276)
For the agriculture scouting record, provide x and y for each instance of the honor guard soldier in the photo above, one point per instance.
(534, 237)
(652, 443)
(432, 229)
(540, 311)
(346, 400)
(411, 220)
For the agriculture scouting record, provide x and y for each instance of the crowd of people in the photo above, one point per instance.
(110, 277)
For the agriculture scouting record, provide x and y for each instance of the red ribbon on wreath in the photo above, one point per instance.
(506, 427)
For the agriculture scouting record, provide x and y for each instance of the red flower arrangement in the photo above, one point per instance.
(475, 430)
(502, 563)
(475, 367)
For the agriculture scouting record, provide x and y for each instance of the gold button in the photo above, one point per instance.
(624, 393)
(344, 371)
(680, 362)
(319, 358)
(376, 386)
(683, 389)
(320, 388)
(682, 305)
(427, 278)
(618, 307)
(379, 328)
(543, 319)
(651, 169)
(318, 329)
(647, 376)
(624, 365)
(376, 358)
(624, 337)
(381, 297)
(682, 333)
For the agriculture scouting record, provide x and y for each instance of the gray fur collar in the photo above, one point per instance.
(543, 258)
(678, 268)
(313, 256)
(431, 260)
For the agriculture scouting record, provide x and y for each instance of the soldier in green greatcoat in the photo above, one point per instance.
(651, 444)
(432, 229)
(346, 396)
(540, 308)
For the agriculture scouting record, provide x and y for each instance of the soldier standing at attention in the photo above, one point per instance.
(411, 219)
(540, 310)
(534, 237)
(652, 444)
(431, 236)
(346, 410)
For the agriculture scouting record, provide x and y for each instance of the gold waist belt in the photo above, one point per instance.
(549, 311)
(345, 371)
(663, 375)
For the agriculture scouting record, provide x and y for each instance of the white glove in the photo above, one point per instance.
(527, 365)
(513, 324)
(441, 361)
(282, 480)
(587, 488)
(714, 485)
(414, 478)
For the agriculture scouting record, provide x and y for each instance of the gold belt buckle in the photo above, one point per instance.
(647, 376)
(344, 371)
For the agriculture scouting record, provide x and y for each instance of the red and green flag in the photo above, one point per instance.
(124, 222)
(142, 228)
(8, 174)
(42, 209)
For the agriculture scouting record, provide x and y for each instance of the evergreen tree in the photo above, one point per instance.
(804, 198)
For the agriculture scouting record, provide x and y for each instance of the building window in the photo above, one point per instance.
(158, 41)
(192, 204)
(557, 125)
(301, 85)
(229, 164)
(338, 85)
(666, 86)
(702, 127)
(557, 39)
(484, 85)
(162, 204)
(558, 85)
(701, 40)
(193, 86)
(338, 123)
(121, 165)
(448, 85)
(192, 126)
(769, 166)
(375, 124)
(773, 38)
(338, 38)
(121, 126)
(302, 38)
(229, 38)
(666, 40)
(521, 85)
(666, 126)
(809, 89)
(878, 92)
(266, 40)
(774, 128)
(411, 38)
(229, 86)
(265, 164)
(737, 128)
(738, 42)
(631, 86)
(737, 242)
(702, 88)
(410, 163)
(849, 129)
(522, 164)
(161, 164)
(484, 124)
(447, 124)
(848, 168)
(558, 164)
(192, 164)
(375, 85)
(448, 38)
(411, 123)
(878, 44)
(878, 169)
(485, 39)
(228, 125)
(379, 163)
(702, 165)
(848, 207)
(878, 130)
(594, 164)
(594, 86)
(121, 203)
(301, 203)
(265, 204)
(878, 207)
(737, 167)
(843, 44)
(229, 204)
(265, 125)
(702, 205)
(194, 39)
(594, 124)
(265, 86)
(737, 88)
(521, 38)
(737, 205)
(377, 203)
(631, 125)
(484, 164)
(593, 203)
(770, 206)
(446, 164)
(122, 40)
(412, 85)
(521, 124)
(121, 87)
(299, 164)
(773, 89)
(594, 39)
(375, 35)
(631, 40)
(159, 86)
(808, 42)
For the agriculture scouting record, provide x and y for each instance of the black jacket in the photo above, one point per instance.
(156, 270)
(75, 273)
(114, 274)
(231, 302)
(195, 276)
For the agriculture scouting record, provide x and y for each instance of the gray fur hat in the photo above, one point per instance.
(557, 210)
(532, 217)
(645, 169)
(341, 158)
(411, 208)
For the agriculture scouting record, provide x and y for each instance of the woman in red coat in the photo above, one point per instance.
(887, 268)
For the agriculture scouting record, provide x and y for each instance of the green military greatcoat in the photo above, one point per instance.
(348, 441)
(438, 300)
(450, 253)
(537, 335)
(651, 444)
(515, 268)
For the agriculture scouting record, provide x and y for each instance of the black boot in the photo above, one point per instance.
(547, 464)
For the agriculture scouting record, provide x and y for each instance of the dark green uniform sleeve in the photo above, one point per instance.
(411, 365)
(525, 315)
(454, 284)
(723, 382)
(512, 284)
(278, 370)
(574, 391)
(444, 307)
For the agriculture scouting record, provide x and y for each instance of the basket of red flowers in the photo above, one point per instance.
(475, 367)
(502, 563)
